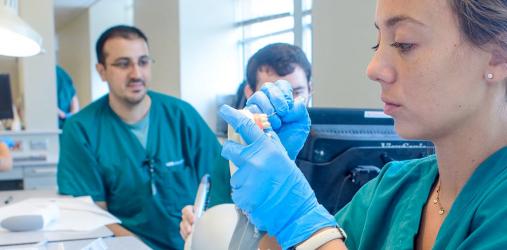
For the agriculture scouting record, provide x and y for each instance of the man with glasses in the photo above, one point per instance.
(138, 153)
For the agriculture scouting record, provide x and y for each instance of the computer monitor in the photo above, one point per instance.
(221, 125)
(347, 147)
(5, 98)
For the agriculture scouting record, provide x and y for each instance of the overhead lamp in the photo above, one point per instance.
(17, 38)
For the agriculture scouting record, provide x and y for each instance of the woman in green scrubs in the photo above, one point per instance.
(442, 67)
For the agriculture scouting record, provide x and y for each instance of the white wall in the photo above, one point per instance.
(209, 60)
(160, 21)
(77, 45)
(102, 15)
(195, 50)
(74, 55)
(194, 47)
(37, 73)
(343, 34)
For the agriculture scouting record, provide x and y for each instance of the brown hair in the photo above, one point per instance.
(482, 21)
(123, 31)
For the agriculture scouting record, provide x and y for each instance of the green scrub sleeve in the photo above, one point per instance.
(78, 172)
(220, 191)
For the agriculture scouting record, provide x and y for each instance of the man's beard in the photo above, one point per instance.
(135, 100)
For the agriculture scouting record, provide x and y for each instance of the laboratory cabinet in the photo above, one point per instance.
(35, 157)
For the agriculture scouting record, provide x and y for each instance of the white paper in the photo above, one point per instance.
(76, 214)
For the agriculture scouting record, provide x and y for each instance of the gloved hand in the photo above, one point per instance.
(288, 118)
(268, 186)
(8, 141)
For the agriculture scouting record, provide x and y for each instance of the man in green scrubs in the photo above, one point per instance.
(138, 153)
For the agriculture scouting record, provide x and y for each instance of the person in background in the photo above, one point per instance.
(138, 153)
(242, 93)
(5, 155)
(68, 103)
(277, 61)
(442, 68)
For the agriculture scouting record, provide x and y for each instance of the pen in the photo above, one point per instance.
(8, 200)
(202, 196)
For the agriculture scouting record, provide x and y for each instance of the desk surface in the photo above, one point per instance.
(113, 243)
(7, 197)
(69, 240)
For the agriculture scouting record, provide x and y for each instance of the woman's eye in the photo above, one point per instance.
(375, 47)
(403, 47)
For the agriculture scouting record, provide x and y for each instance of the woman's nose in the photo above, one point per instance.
(381, 68)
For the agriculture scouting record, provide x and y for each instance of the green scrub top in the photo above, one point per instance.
(65, 91)
(386, 212)
(145, 188)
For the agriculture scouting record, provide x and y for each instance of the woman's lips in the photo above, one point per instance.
(390, 107)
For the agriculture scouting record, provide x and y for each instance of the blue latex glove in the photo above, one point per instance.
(8, 141)
(268, 186)
(289, 119)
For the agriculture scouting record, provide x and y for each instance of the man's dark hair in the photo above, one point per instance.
(281, 57)
(123, 31)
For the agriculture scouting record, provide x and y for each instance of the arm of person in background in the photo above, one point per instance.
(61, 114)
(5, 157)
(74, 108)
(74, 105)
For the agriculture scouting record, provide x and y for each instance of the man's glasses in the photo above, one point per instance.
(127, 63)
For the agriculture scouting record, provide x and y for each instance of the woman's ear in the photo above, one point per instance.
(497, 68)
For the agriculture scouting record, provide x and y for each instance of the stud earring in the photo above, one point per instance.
(489, 76)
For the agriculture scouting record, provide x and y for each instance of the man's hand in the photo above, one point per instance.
(61, 114)
(187, 220)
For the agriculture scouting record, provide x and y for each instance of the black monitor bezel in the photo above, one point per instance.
(6, 111)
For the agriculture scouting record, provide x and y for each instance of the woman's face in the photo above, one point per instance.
(432, 79)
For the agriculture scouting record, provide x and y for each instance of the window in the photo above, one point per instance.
(261, 22)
